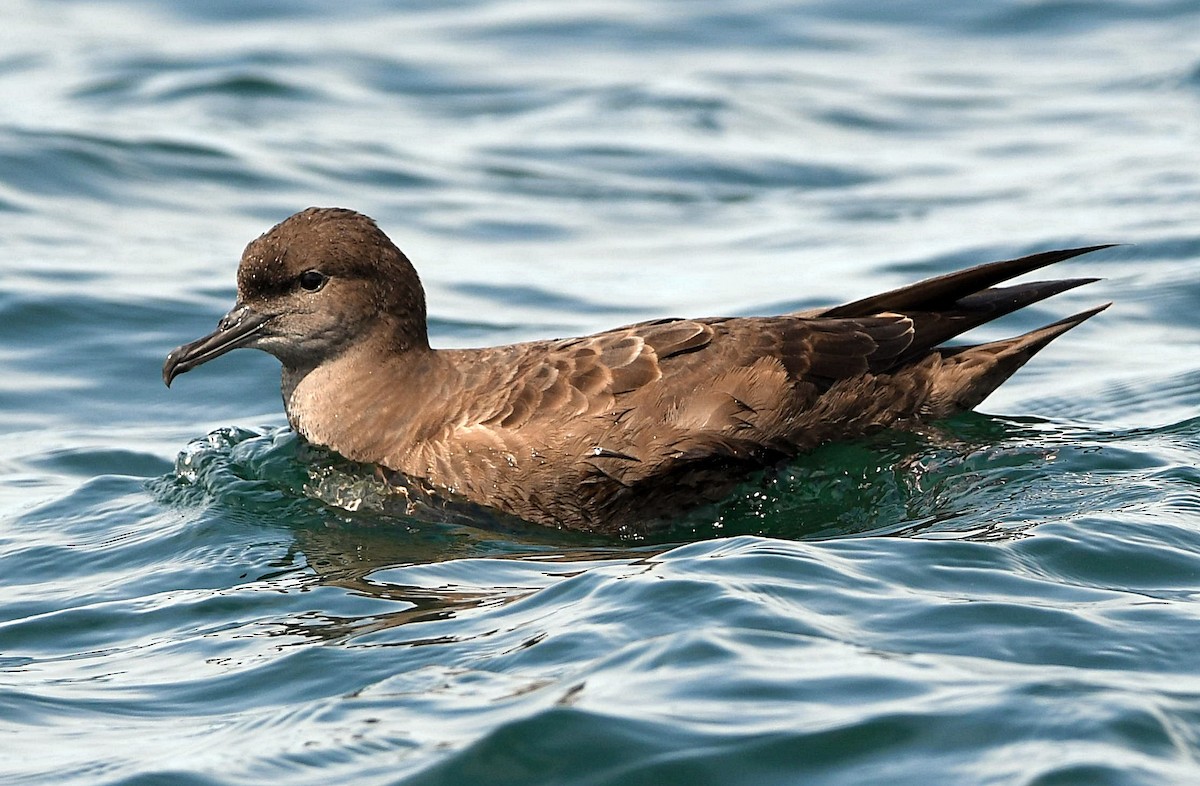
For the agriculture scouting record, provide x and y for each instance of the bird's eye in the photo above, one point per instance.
(312, 280)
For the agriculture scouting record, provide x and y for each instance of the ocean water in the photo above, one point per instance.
(190, 595)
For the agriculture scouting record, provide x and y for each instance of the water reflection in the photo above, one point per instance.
(436, 571)
(426, 558)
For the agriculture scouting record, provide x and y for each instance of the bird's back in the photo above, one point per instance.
(609, 431)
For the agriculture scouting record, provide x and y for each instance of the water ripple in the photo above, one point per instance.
(190, 594)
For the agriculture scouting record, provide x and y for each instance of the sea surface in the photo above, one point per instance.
(191, 595)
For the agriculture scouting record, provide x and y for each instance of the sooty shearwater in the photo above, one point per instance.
(610, 432)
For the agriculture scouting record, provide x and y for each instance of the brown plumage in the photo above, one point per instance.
(614, 431)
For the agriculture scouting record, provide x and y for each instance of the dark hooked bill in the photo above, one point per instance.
(236, 329)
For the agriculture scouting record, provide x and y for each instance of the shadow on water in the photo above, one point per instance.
(350, 528)
(429, 560)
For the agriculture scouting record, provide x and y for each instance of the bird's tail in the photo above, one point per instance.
(971, 373)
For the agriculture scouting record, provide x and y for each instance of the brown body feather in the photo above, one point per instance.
(613, 431)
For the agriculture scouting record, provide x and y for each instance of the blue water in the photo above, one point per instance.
(190, 595)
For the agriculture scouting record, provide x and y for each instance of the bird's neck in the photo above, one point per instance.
(360, 399)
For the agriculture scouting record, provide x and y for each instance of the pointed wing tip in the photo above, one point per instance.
(1081, 250)
(1076, 319)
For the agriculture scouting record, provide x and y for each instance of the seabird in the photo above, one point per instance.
(614, 431)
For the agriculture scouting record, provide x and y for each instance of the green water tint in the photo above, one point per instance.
(975, 477)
